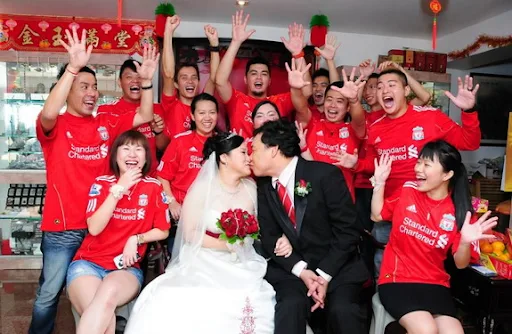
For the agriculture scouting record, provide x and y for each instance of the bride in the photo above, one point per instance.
(211, 286)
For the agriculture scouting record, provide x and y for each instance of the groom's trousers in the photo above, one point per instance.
(345, 309)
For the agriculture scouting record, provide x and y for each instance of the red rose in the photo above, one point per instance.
(239, 215)
(303, 184)
(242, 232)
(230, 230)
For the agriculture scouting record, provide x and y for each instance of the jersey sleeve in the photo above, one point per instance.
(231, 104)
(43, 137)
(390, 204)
(284, 103)
(465, 137)
(170, 161)
(161, 217)
(97, 195)
(167, 101)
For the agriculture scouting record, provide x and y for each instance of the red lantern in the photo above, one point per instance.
(162, 12)
(435, 7)
(319, 25)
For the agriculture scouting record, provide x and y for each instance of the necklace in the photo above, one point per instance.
(435, 207)
(230, 192)
(131, 192)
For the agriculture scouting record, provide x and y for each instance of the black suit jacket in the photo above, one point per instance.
(327, 235)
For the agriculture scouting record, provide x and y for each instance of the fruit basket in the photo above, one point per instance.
(496, 254)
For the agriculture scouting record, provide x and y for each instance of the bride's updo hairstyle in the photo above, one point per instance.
(221, 143)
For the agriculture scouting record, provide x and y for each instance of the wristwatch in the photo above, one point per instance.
(117, 191)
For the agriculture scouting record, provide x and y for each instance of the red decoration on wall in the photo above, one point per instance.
(318, 25)
(119, 12)
(41, 33)
(490, 41)
(435, 7)
(162, 11)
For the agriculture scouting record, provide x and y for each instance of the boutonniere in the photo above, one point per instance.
(302, 188)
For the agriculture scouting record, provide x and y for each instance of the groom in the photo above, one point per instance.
(319, 219)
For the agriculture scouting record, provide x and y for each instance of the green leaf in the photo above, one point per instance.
(165, 9)
(319, 20)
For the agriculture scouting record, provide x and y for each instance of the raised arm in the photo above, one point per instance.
(78, 57)
(146, 72)
(381, 174)
(296, 82)
(239, 35)
(213, 39)
(329, 52)
(295, 44)
(168, 62)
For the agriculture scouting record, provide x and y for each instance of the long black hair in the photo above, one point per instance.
(197, 99)
(221, 143)
(450, 159)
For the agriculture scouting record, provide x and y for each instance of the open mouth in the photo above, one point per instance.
(420, 180)
(90, 104)
(389, 102)
(207, 125)
(258, 85)
(190, 89)
(135, 89)
(131, 164)
(332, 113)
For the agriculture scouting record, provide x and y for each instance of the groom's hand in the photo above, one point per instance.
(311, 281)
(320, 293)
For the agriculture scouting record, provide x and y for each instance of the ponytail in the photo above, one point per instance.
(461, 195)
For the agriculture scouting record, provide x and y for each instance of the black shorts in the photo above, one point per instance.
(401, 298)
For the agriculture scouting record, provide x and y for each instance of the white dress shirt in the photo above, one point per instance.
(287, 179)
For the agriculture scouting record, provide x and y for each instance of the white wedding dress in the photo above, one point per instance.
(211, 291)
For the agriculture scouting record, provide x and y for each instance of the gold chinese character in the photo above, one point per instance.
(92, 38)
(121, 37)
(26, 35)
(57, 36)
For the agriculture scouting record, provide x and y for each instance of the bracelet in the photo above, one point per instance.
(147, 87)
(140, 239)
(157, 133)
(304, 149)
(214, 48)
(468, 110)
(300, 55)
(117, 191)
(73, 73)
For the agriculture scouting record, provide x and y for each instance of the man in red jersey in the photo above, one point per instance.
(403, 131)
(257, 77)
(130, 83)
(75, 147)
(181, 84)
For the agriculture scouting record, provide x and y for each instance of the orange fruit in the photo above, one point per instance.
(498, 246)
(504, 257)
(486, 248)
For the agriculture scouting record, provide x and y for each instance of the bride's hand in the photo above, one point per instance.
(283, 247)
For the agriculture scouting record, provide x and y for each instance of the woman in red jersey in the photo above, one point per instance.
(182, 159)
(125, 212)
(432, 215)
(326, 138)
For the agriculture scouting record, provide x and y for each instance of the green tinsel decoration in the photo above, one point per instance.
(319, 20)
(166, 9)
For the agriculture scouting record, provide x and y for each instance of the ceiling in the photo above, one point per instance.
(400, 18)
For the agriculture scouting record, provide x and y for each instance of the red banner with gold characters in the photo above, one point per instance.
(41, 33)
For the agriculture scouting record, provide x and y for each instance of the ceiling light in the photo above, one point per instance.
(242, 3)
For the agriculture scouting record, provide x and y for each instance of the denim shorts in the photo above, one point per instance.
(86, 268)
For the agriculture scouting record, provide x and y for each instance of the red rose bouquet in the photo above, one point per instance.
(236, 225)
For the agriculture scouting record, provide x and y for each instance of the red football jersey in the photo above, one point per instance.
(404, 137)
(240, 107)
(178, 115)
(315, 113)
(181, 162)
(143, 209)
(423, 230)
(76, 151)
(362, 180)
(121, 107)
(326, 139)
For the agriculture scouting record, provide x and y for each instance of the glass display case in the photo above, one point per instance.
(25, 82)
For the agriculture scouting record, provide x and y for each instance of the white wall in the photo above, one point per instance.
(500, 25)
(353, 49)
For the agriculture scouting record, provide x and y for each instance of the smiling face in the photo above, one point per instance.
(237, 160)
(370, 93)
(257, 80)
(264, 114)
(83, 95)
(187, 82)
(335, 106)
(130, 85)
(319, 86)
(391, 94)
(430, 174)
(205, 117)
(131, 155)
